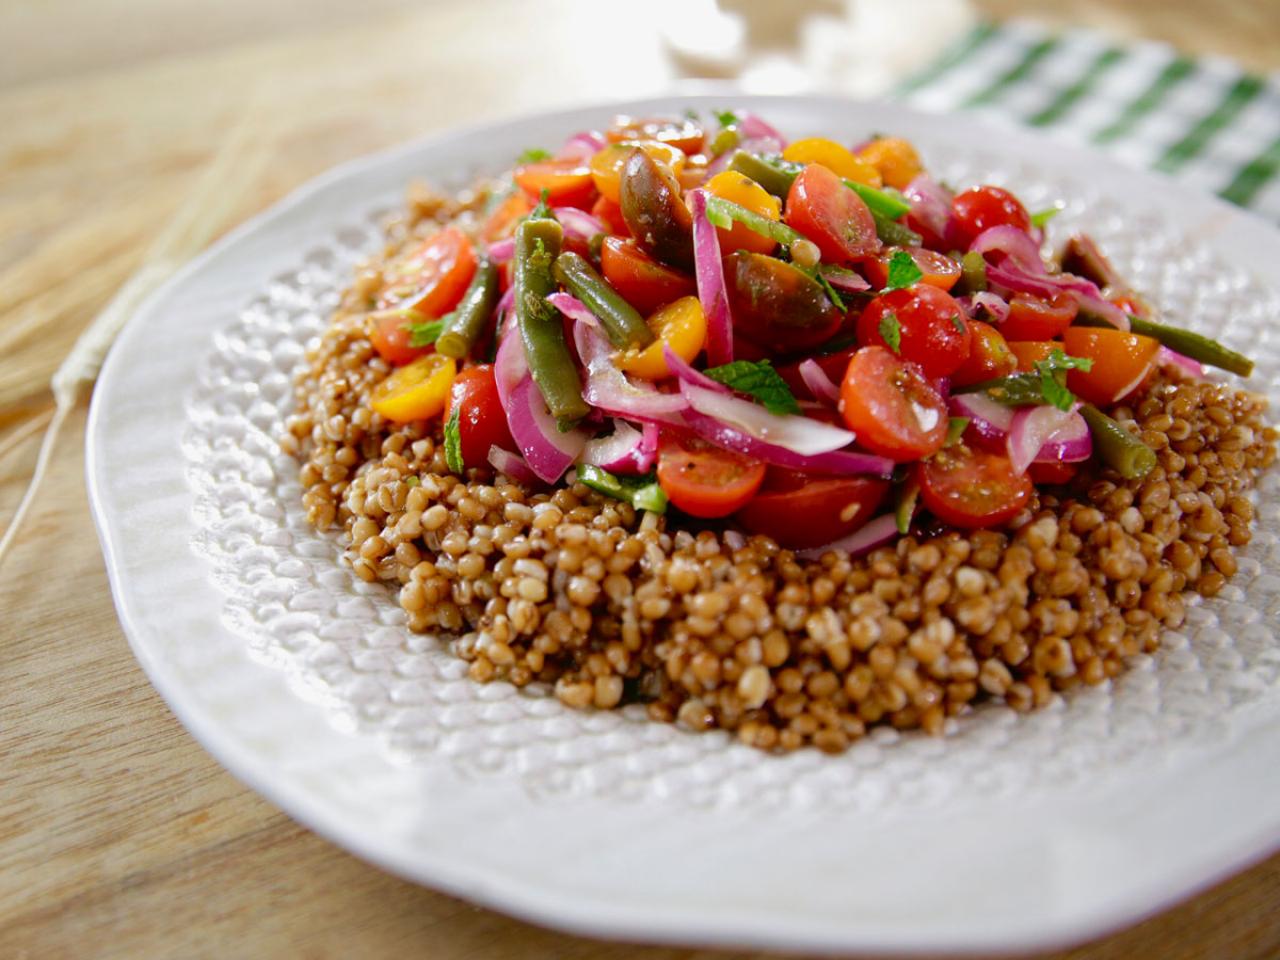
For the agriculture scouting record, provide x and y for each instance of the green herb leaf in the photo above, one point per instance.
(1042, 217)
(643, 493)
(758, 380)
(690, 113)
(1056, 392)
(1057, 360)
(543, 210)
(722, 213)
(726, 118)
(906, 508)
(453, 442)
(903, 272)
(891, 330)
(533, 155)
(955, 430)
(425, 334)
(957, 323)
(1053, 370)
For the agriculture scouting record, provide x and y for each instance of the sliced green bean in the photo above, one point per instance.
(463, 327)
(1116, 446)
(973, 272)
(773, 176)
(894, 234)
(889, 204)
(1015, 390)
(1189, 344)
(723, 213)
(537, 246)
(622, 324)
(643, 493)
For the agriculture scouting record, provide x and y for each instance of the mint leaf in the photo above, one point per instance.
(1056, 392)
(1042, 217)
(955, 430)
(543, 210)
(453, 442)
(533, 155)
(726, 118)
(425, 334)
(1053, 370)
(1057, 360)
(903, 272)
(759, 381)
(891, 330)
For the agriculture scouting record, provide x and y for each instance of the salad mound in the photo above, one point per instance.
(784, 437)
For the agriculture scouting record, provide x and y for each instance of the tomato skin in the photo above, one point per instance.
(894, 411)
(933, 331)
(776, 305)
(745, 192)
(482, 423)
(391, 338)
(1121, 361)
(939, 270)
(610, 214)
(831, 215)
(706, 481)
(680, 327)
(643, 282)
(1032, 318)
(1055, 473)
(895, 158)
(607, 165)
(416, 391)
(832, 364)
(504, 217)
(568, 181)
(434, 277)
(972, 488)
(683, 134)
(800, 510)
(989, 356)
(839, 160)
(1031, 352)
(981, 208)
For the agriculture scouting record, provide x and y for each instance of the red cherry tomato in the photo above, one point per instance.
(1031, 352)
(821, 207)
(642, 281)
(1032, 318)
(892, 408)
(989, 356)
(931, 327)
(981, 208)
(391, 338)
(938, 269)
(1121, 361)
(482, 423)
(610, 214)
(706, 481)
(434, 277)
(832, 364)
(567, 181)
(971, 488)
(801, 510)
(1054, 473)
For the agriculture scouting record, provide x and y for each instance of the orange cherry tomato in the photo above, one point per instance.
(704, 480)
(1031, 352)
(839, 160)
(896, 160)
(417, 391)
(391, 338)
(938, 269)
(1121, 361)
(971, 488)
(642, 281)
(433, 278)
(989, 356)
(683, 134)
(610, 214)
(891, 407)
(822, 208)
(606, 166)
(502, 220)
(802, 510)
(745, 192)
(1033, 318)
(567, 181)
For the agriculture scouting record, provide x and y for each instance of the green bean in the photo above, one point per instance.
(723, 213)
(1116, 446)
(724, 141)
(894, 234)
(774, 177)
(1015, 390)
(643, 493)
(537, 246)
(890, 205)
(973, 272)
(463, 327)
(622, 324)
(1193, 345)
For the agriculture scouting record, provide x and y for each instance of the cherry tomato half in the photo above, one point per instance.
(776, 305)
(1121, 361)
(1031, 352)
(931, 327)
(989, 356)
(1053, 473)
(642, 281)
(938, 269)
(684, 134)
(482, 423)
(503, 218)
(434, 277)
(568, 181)
(704, 480)
(610, 214)
(1033, 318)
(971, 488)
(821, 207)
(417, 391)
(891, 407)
(981, 208)
(801, 510)
(391, 338)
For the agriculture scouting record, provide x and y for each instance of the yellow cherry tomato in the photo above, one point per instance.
(839, 160)
(416, 391)
(679, 325)
(745, 192)
(895, 158)
(606, 166)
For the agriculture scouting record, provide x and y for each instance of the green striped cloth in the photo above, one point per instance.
(1202, 120)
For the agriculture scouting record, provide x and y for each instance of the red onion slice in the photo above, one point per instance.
(609, 389)
(511, 464)
(709, 273)
(930, 203)
(573, 308)
(585, 145)
(1030, 430)
(1171, 358)
(548, 451)
(1070, 443)
(501, 251)
(626, 450)
(819, 384)
(1017, 246)
(996, 308)
(991, 419)
(578, 223)
(846, 280)
(837, 462)
(876, 532)
(687, 374)
(801, 435)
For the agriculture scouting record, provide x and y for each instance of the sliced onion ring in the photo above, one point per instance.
(837, 462)
(626, 450)
(1171, 358)
(609, 389)
(876, 532)
(802, 435)
(819, 384)
(548, 451)
(709, 273)
(511, 464)
(579, 223)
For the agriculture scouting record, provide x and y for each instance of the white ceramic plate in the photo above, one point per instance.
(1011, 833)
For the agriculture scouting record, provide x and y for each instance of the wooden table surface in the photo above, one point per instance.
(119, 836)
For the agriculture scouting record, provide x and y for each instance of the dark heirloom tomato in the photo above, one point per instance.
(802, 510)
(643, 282)
(684, 134)
(567, 181)
(821, 207)
(776, 305)
(989, 356)
(981, 208)
(971, 488)
(1032, 318)
(892, 408)
(654, 210)
(832, 364)
(937, 269)
(482, 423)
(704, 480)
(931, 327)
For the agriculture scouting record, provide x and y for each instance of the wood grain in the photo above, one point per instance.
(119, 836)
